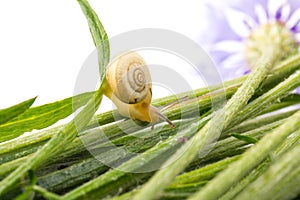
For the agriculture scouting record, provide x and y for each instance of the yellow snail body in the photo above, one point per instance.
(128, 84)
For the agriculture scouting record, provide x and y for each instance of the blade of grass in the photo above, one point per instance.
(99, 36)
(275, 94)
(286, 68)
(41, 116)
(261, 120)
(14, 111)
(46, 194)
(289, 100)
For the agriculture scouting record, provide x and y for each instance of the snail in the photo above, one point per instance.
(128, 85)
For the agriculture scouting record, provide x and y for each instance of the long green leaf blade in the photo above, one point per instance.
(42, 116)
(14, 111)
(99, 36)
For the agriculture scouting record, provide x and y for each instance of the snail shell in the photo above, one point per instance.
(129, 78)
(128, 85)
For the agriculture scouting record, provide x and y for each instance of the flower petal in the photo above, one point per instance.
(230, 46)
(275, 7)
(239, 22)
(261, 14)
(285, 12)
(294, 19)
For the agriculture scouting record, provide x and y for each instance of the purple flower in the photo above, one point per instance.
(239, 30)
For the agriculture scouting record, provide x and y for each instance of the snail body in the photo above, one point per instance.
(128, 84)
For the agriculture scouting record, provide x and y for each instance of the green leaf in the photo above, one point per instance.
(99, 36)
(245, 138)
(12, 112)
(46, 194)
(42, 116)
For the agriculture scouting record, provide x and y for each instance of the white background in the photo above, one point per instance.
(43, 44)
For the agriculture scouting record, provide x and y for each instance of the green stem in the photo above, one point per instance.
(231, 146)
(275, 94)
(46, 194)
(276, 177)
(254, 174)
(261, 120)
(290, 187)
(207, 134)
(219, 185)
(290, 100)
(281, 71)
(8, 167)
(186, 184)
(204, 173)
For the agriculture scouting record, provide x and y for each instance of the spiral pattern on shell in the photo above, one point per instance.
(129, 78)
